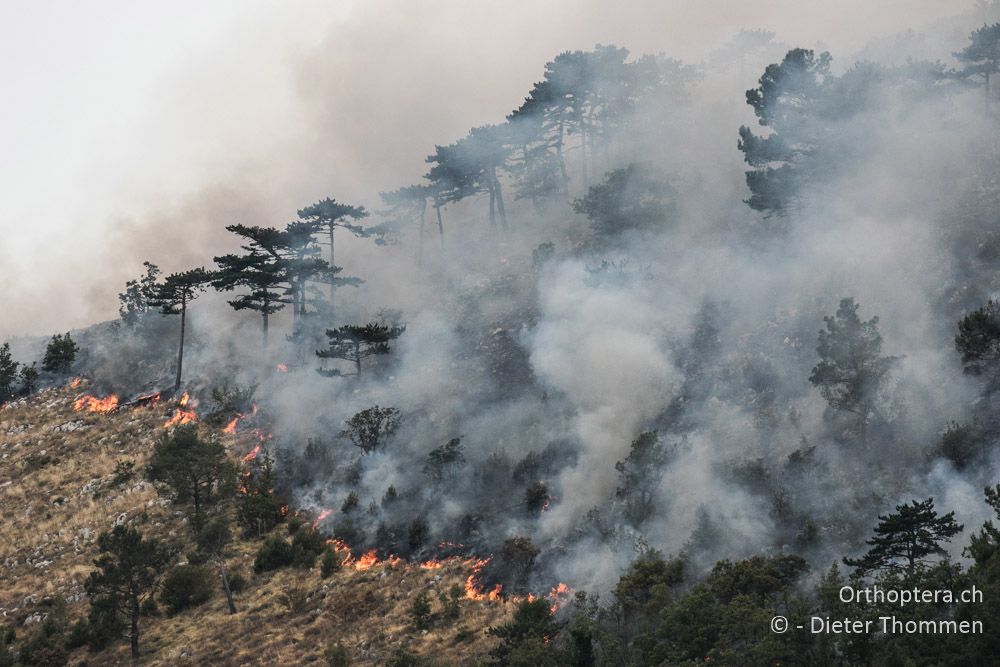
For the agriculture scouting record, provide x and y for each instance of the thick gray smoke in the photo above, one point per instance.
(704, 331)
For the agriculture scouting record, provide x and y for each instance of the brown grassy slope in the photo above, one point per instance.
(57, 492)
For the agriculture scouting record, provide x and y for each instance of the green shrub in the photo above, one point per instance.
(78, 634)
(186, 586)
(274, 553)
(329, 564)
(60, 354)
(237, 582)
(337, 655)
(306, 545)
(420, 611)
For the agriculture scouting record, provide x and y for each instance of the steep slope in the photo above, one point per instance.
(61, 485)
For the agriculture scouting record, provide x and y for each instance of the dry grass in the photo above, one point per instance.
(57, 492)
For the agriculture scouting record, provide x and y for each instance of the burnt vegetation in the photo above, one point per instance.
(645, 466)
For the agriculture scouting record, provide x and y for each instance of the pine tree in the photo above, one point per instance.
(355, 343)
(852, 369)
(134, 302)
(193, 469)
(265, 277)
(329, 215)
(60, 354)
(369, 428)
(172, 297)
(28, 377)
(904, 540)
(978, 341)
(982, 56)
(639, 476)
(129, 567)
(213, 541)
(8, 372)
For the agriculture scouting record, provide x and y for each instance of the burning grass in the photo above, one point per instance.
(55, 513)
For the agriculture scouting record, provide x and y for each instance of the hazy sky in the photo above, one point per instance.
(137, 130)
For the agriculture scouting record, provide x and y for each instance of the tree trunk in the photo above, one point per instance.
(264, 326)
(357, 359)
(437, 207)
(500, 205)
(134, 637)
(333, 287)
(225, 586)
(420, 242)
(180, 349)
(562, 161)
(493, 203)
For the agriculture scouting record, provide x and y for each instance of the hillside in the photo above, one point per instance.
(58, 490)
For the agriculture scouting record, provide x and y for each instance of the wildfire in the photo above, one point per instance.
(322, 515)
(231, 426)
(281, 368)
(432, 564)
(181, 417)
(475, 590)
(75, 382)
(252, 454)
(559, 595)
(94, 404)
(366, 561)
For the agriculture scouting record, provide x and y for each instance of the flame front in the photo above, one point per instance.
(231, 426)
(252, 454)
(475, 590)
(181, 417)
(94, 404)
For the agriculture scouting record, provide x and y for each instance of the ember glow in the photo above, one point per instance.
(281, 368)
(90, 403)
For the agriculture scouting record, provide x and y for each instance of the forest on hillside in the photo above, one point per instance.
(665, 357)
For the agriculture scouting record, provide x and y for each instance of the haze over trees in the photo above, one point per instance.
(632, 361)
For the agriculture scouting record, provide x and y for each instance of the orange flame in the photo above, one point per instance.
(231, 426)
(93, 404)
(368, 560)
(181, 417)
(281, 368)
(322, 515)
(432, 564)
(75, 382)
(475, 590)
(252, 454)
(559, 595)
(184, 400)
